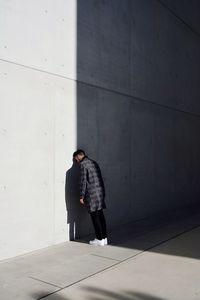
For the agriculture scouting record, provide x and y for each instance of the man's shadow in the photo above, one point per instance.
(75, 211)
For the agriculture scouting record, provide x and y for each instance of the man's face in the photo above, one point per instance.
(79, 157)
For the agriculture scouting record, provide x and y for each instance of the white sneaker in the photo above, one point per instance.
(96, 242)
(105, 241)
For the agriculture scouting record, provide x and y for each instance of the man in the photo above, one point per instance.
(92, 195)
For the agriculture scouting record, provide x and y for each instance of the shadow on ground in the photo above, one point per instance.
(102, 294)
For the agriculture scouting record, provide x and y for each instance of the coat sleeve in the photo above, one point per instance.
(83, 181)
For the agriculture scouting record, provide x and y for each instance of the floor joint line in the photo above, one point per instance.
(37, 279)
(106, 257)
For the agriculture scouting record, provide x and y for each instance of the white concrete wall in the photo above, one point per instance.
(37, 121)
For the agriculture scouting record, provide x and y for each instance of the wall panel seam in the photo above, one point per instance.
(179, 18)
(138, 98)
(104, 88)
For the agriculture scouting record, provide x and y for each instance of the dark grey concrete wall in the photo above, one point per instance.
(138, 109)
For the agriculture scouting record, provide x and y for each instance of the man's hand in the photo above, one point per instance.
(81, 200)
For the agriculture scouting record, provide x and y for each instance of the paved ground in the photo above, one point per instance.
(155, 259)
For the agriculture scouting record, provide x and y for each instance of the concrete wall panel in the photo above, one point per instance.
(103, 51)
(87, 118)
(26, 161)
(165, 65)
(33, 158)
(164, 159)
(183, 159)
(142, 159)
(40, 34)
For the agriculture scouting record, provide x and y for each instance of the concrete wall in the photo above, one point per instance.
(37, 121)
(138, 68)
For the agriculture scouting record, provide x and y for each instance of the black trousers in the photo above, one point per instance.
(99, 224)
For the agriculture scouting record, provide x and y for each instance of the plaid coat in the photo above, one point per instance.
(92, 188)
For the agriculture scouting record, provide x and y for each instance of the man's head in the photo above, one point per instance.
(79, 155)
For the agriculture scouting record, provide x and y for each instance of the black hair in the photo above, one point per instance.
(79, 151)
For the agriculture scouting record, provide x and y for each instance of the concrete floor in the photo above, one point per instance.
(154, 259)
